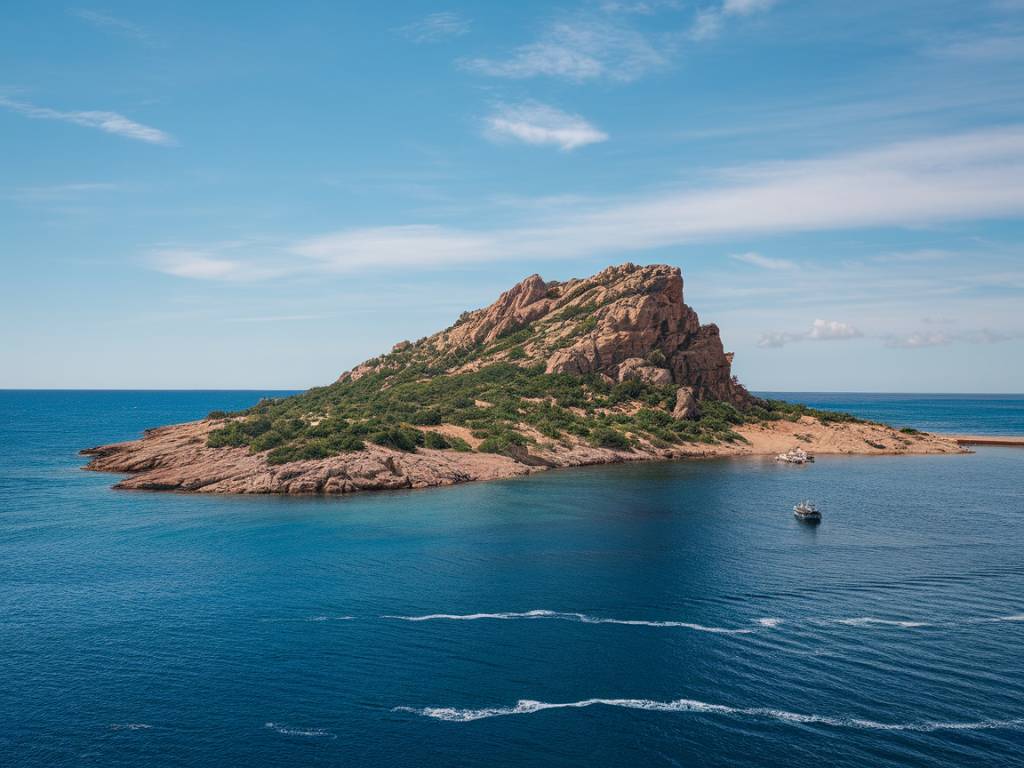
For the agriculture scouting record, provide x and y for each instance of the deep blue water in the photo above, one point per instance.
(142, 629)
(953, 414)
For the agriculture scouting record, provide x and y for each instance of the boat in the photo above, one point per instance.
(806, 510)
(795, 456)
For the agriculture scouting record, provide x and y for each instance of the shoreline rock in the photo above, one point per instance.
(176, 458)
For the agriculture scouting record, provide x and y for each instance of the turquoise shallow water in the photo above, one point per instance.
(670, 613)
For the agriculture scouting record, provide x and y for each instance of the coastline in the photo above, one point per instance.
(177, 458)
(1013, 441)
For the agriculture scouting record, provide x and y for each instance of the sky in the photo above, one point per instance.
(261, 195)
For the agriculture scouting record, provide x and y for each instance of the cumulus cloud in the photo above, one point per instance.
(109, 122)
(579, 49)
(820, 330)
(540, 124)
(765, 262)
(436, 27)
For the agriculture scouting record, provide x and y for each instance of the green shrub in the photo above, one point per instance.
(436, 440)
(656, 357)
(605, 437)
(400, 438)
(505, 442)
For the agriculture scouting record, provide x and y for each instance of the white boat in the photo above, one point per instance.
(806, 510)
(795, 456)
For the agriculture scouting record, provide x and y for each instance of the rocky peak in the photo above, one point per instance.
(625, 322)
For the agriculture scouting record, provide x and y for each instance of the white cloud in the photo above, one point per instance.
(826, 330)
(113, 24)
(109, 122)
(436, 27)
(197, 264)
(820, 330)
(640, 7)
(60, 192)
(746, 7)
(579, 49)
(919, 339)
(929, 181)
(540, 124)
(994, 48)
(708, 22)
(392, 246)
(765, 262)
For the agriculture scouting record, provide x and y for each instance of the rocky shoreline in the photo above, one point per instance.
(177, 458)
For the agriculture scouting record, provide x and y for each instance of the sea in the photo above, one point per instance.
(654, 614)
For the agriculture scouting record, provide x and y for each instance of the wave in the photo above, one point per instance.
(529, 706)
(870, 621)
(1015, 617)
(321, 617)
(287, 730)
(130, 726)
(581, 618)
(769, 623)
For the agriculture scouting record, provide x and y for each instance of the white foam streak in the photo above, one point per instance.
(529, 706)
(870, 621)
(287, 730)
(581, 618)
(130, 727)
(769, 623)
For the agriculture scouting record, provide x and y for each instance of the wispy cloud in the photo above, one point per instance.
(109, 122)
(540, 124)
(436, 27)
(275, 319)
(640, 7)
(920, 339)
(708, 22)
(113, 24)
(68, 191)
(578, 49)
(962, 177)
(993, 48)
(820, 330)
(764, 262)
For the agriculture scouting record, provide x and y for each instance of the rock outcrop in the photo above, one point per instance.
(625, 322)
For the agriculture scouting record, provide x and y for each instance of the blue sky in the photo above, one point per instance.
(264, 194)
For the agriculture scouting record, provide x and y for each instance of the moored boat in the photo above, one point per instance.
(807, 510)
(795, 456)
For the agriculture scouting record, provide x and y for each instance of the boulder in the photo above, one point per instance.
(640, 369)
(686, 404)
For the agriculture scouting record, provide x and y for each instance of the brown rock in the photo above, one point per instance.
(686, 404)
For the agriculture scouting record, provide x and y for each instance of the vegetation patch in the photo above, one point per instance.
(388, 407)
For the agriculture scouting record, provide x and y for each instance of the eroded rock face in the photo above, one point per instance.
(613, 324)
(642, 370)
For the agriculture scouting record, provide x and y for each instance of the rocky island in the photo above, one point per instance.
(610, 368)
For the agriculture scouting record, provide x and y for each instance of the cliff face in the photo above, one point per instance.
(625, 322)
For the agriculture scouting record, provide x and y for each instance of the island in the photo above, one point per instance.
(610, 368)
